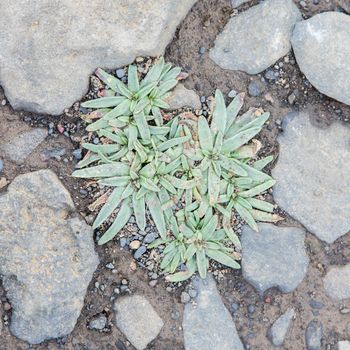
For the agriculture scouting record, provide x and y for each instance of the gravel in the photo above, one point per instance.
(98, 323)
(277, 333)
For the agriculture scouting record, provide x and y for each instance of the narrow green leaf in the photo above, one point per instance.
(115, 181)
(112, 203)
(104, 170)
(267, 217)
(172, 143)
(201, 263)
(231, 144)
(139, 211)
(204, 134)
(148, 184)
(258, 189)
(262, 205)
(261, 164)
(223, 258)
(119, 222)
(213, 186)
(104, 102)
(246, 216)
(209, 229)
(219, 120)
(155, 209)
(142, 126)
(233, 109)
(133, 79)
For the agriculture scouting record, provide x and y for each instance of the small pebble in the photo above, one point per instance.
(77, 154)
(316, 304)
(139, 252)
(203, 99)
(345, 311)
(254, 89)
(251, 308)
(110, 266)
(3, 102)
(202, 50)
(316, 2)
(98, 322)
(124, 281)
(185, 298)
(232, 94)
(152, 283)
(270, 75)
(149, 238)
(120, 73)
(123, 242)
(1, 165)
(135, 245)
(234, 307)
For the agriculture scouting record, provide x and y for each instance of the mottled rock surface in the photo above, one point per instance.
(322, 49)
(48, 50)
(313, 335)
(22, 145)
(137, 320)
(343, 345)
(207, 324)
(337, 282)
(255, 39)
(312, 173)
(268, 261)
(278, 331)
(237, 3)
(47, 256)
(182, 97)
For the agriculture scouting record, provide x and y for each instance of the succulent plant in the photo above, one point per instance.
(202, 171)
(194, 242)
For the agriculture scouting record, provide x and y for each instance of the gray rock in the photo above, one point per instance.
(182, 97)
(322, 49)
(207, 324)
(237, 3)
(1, 165)
(268, 261)
(255, 39)
(63, 43)
(23, 144)
(312, 172)
(277, 333)
(313, 335)
(337, 282)
(98, 322)
(47, 256)
(137, 320)
(343, 345)
(255, 88)
(139, 252)
(316, 304)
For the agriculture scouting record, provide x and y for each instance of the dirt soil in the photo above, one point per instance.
(199, 29)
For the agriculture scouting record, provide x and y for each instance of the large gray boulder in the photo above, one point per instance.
(207, 324)
(47, 256)
(312, 175)
(255, 39)
(48, 49)
(268, 261)
(322, 49)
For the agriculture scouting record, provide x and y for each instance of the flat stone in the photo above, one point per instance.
(255, 39)
(277, 333)
(343, 345)
(313, 335)
(268, 261)
(137, 320)
(63, 43)
(337, 282)
(182, 97)
(322, 49)
(23, 144)
(312, 174)
(207, 324)
(237, 3)
(47, 256)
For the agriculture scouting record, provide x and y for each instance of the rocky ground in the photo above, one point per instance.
(293, 291)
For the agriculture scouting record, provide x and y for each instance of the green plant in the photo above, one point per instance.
(208, 167)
